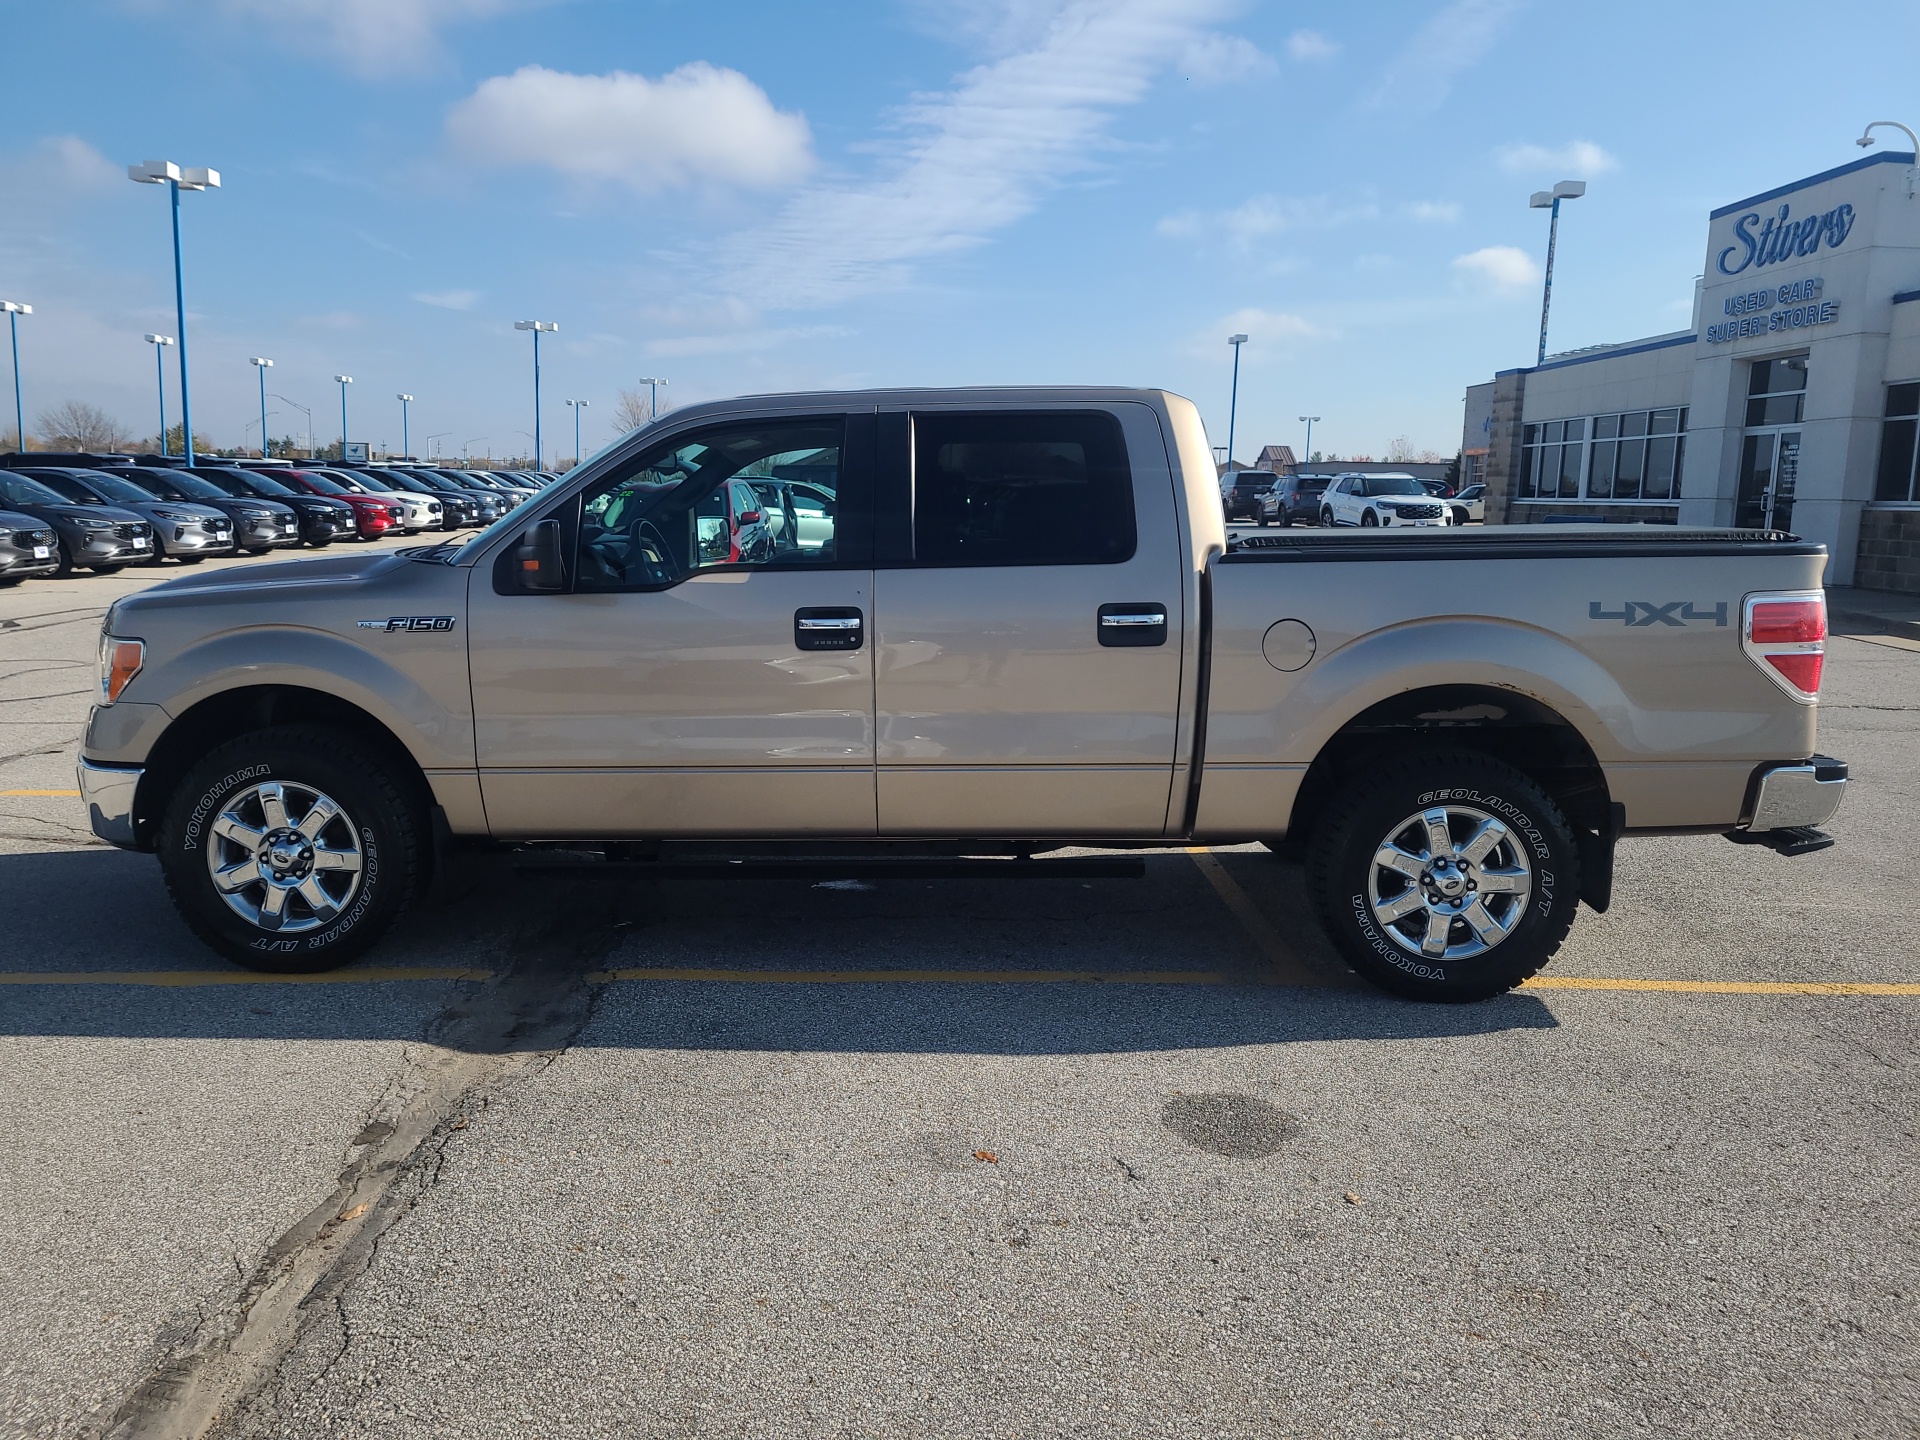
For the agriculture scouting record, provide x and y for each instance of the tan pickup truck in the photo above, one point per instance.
(947, 630)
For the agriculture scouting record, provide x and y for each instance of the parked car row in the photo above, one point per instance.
(1351, 499)
(59, 513)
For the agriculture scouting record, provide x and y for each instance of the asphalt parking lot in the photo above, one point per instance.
(964, 1158)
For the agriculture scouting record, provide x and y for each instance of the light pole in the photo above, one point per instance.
(536, 326)
(14, 311)
(1913, 170)
(441, 435)
(1308, 457)
(165, 172)
(344, 381)
(1233, 405)
(577, 406)
(653, 382)
(159, 343)
(406, 443)
(304, 411)
(262, 364)
(1550, 200)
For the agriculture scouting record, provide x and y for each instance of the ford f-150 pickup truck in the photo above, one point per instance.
(1010, 622)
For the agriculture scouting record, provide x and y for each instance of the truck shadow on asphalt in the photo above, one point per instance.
(551, 942)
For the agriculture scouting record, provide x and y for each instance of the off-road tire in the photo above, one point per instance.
(391, 831)
(1340, 864)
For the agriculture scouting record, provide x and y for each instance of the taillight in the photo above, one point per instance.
(1786, 636)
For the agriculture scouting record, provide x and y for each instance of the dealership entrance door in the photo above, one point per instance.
(1770, 447)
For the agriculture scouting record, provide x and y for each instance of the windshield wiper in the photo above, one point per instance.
(432, 552)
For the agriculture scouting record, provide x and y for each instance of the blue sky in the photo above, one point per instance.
(745, 197)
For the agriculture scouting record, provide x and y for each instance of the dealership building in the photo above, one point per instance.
(1791, 403)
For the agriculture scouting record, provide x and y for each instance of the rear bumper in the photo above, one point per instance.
(107, 791)
(1795, 794)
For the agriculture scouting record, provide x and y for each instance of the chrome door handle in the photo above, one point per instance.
(828, 627)
(1121, 626)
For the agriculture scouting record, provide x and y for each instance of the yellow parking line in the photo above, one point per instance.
(61, 794)
(1724, 987)
(177, 978)
(1288, 968)
(922, 977)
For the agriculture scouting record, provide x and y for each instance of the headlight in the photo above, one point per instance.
(120, 661)
(6, 534)
(175, 515)
(96, 524)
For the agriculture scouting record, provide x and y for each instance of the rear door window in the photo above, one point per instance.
(1021, 488)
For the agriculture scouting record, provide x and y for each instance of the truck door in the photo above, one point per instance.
(694, 678)
(1027, 611)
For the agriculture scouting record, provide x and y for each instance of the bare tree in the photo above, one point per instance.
(76, 425)
(1400, 451)
(634, 409)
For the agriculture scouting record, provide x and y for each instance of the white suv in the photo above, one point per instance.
(1381, 500)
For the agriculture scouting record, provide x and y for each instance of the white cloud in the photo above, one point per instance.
(1434, 212)
(1311, 45)
(1267, 331)
(1577, 158)
(976, 159)
(448, 299)
(373, 37)
(1224, 60)
(1263, 216)
(1422, 72)
(63, 165)
(1504, 267)
(699, 125)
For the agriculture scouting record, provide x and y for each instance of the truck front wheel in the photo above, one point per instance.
(292, 849)
(1445, 875)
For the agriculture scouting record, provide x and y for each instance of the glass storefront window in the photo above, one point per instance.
(1777, 391)
(1896, 480)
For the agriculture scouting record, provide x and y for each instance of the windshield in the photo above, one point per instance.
(350, 484)
(1394, 485)
(23, 491)
(70, 489)
(176, 485)
(118, 488)
(323, 484)
(263, 485)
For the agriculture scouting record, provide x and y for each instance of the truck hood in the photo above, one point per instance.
(276, 576)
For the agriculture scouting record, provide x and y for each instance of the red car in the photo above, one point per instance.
(372, 516)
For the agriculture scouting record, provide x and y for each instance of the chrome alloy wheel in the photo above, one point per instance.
(279, 873)
(1449, 883)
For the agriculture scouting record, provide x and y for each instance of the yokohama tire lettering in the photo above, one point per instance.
(191, 836)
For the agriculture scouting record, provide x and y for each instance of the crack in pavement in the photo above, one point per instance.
(246, 1362)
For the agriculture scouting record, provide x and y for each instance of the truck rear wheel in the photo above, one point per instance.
(1446, 875)
(292, 849)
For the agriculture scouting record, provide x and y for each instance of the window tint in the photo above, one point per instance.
(751, 494)
(1049, 488)
(1897, 479)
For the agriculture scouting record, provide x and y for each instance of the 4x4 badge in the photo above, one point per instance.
(1645, 612)
(411, 623)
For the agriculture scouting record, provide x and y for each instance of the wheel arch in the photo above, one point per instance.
(225, 716)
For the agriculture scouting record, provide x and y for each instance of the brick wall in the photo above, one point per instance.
(1889, 553)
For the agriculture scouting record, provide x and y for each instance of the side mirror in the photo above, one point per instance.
(749, 517)
(537, 565)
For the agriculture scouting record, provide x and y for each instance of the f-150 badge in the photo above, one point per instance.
(410, 623)
(1645, 612)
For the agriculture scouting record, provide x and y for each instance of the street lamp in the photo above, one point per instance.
(1913, 170)
(262, 364)
(304, 411)
(406, 443)
(1233, 405)
(1309, 419)
(653, 382)
(344, 381)
(165, 172)
(14, 311)
(439, 435)
(159, 343)
(536, 326)
(577, 406)
(1550, 200)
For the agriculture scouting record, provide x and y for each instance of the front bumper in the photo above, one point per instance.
(108, 793)
(197, 540)
(1796, 794)
(97, 547)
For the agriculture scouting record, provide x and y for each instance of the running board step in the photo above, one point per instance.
(1792, 840)
(864, 867)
